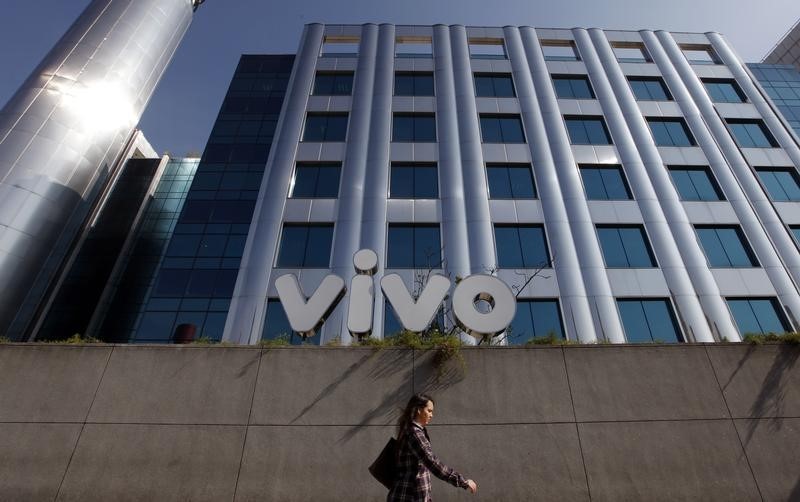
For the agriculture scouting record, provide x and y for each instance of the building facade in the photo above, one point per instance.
(645, 172)
(626, 186)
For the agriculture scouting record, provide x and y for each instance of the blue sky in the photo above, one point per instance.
(182, 111)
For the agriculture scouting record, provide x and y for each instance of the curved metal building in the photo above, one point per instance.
(65, 130)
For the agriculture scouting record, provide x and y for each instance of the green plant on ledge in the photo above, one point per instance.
(761, 338)
(446, 347)
(76, 339)
(281, 340)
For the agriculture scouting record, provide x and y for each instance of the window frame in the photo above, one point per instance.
(335, 75)
(626, 226)
(325, 139)
(347, 41)
(622, 45)
(667, 302)
(562, 77)
(415, 41)
(709, 176)
(605, 167)
(508, 166)
(281, 264)
(720, 81)
(412, 166)
(587, 118)
(501, 117)
(529, 302)
(487, 41)
(746, 248)
(790, 171)
(494, 77)
(559, 43)
(318, 166)
(547, 263)
(692, 142)
(413, 226)
(649, 80)
(414, 75)
(762, 126)
(779, 312)
(414, 116)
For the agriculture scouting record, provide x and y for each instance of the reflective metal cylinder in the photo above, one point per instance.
(64, 130)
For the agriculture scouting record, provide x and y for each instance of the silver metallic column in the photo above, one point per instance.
(632, 139)
(354, 168)
(476, 194)
(592, 266)
(538, 108)
(373, 234)
(732, 172)
(64, 130)
(246, 314)
(682, 230)
(454, 217)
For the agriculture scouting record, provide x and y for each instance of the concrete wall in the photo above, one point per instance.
(687, 422)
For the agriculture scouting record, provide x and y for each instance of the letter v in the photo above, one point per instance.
(307, 315)
(415, 316)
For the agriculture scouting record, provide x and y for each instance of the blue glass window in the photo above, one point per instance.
(750, 133)
(651, 320)
(494, 85)
(510, 181)
(535, 318)
(315, 180)
(795, 232)
(649, 89)
(695, 183)
(333, 83)
(276, 324)
(414, 246)
(501, 129)
(573, 87)
(521, 246)
(559, 50)
(604, 182)
(418, 127)
(670, 132)
(585, 130)
(325, 127)
(725, 246)
(758, 315)
(305, 246)
(414, 181)
(413, 84)
(781, 183)
(625, 246)
(724, 90)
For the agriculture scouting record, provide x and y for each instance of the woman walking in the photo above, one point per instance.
(416, 460)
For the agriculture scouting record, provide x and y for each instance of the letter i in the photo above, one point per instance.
(362, 294)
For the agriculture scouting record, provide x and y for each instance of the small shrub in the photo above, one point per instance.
(279, 341)
(761, 338)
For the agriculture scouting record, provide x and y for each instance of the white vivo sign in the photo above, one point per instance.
(306, 314)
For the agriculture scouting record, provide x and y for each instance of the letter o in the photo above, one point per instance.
(488, 288)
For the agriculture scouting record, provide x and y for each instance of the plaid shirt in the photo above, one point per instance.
(415, 462)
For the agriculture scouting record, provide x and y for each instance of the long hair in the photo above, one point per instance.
(416, 403)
